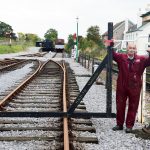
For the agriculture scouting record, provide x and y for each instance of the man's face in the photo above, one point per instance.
(131, 50)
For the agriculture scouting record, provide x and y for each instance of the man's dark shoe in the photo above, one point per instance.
(116, 128)
(128, 130)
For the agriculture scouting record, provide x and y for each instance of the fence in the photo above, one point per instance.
(88, 62)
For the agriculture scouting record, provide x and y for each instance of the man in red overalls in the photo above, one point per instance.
(129, 83)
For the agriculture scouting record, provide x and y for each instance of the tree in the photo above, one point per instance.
(5, 28)
(30, 37)
(70, 43)
(51, 34)
(94, 35)
(83, 43)
(21, 36)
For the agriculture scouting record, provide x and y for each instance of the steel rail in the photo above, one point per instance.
(65, 119)
(17, 89)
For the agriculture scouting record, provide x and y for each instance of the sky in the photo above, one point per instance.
(37, 16)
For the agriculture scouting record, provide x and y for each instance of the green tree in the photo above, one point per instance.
(94, 35)
(21, 36)
(70, 43)
(51, 34)
(83, 43)
(5, 28)
(30, 37)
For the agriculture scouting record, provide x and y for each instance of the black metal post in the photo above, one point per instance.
(88, 61)
(55, 114)
(79, 58)
(92, 65)
(82, 59)
(106, 82)
(85, 62)
(109, 71)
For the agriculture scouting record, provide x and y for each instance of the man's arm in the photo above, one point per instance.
(116, 56)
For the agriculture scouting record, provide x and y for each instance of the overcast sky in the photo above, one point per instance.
(37, 16)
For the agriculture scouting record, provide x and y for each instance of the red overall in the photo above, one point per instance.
(129, 86)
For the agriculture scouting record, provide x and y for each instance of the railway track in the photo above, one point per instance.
(41, 93)
(8, 63)
(51, 88)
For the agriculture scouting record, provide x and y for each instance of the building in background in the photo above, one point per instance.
(140, 33)
(126, 31)
(119, 30)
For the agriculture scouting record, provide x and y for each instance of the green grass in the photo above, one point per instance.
(5, 49)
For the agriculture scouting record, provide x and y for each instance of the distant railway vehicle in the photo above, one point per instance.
(48, 45)
(59, 45)
(45, 45)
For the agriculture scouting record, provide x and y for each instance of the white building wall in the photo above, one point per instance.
(141, 44)
(140, 38)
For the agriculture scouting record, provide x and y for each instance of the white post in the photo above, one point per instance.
(141, 109)
(10, 39)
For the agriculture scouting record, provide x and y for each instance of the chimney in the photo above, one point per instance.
(147, 9)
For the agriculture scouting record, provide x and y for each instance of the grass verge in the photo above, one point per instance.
(5, 49)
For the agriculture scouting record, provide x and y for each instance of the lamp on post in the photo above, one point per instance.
(77, 41)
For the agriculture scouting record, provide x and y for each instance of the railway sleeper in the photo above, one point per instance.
(81, 121)
(30, 128)
(84, 129)
(36, 102)
(85, 139)
(49, 138)
(32, 105)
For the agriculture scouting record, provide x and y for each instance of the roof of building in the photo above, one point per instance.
(116, 26)
(134, 28)
(146, 14)
(137, 29)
